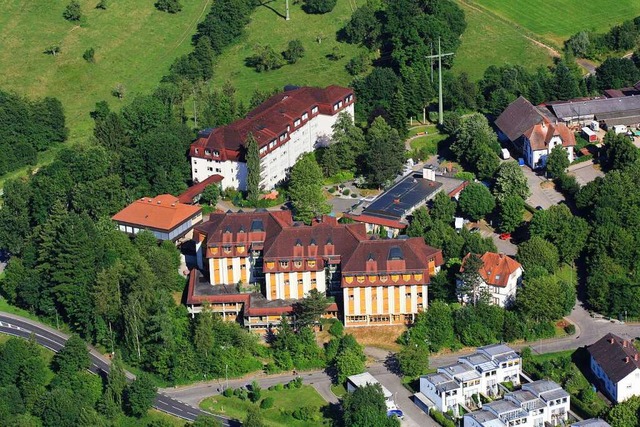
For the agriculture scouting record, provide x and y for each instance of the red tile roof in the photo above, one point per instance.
(269, 120)
(369, 219)
(496, 268)
(540, 135)
(197, 189)
(163, 212)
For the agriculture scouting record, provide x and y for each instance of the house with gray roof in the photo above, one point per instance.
(616, 363)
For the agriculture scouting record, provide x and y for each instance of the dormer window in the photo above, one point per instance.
(305, 116)
(284, 264)
(226, 249)
(272, 144)
(197, 151)
(283, 136)
(314, 110)
(216, 153)
(207, 152)
(311, 263)
(335, 106)
(296, 123)
(297, 264)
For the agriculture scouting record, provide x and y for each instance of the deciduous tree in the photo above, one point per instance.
(366, 407)
(557, 162)
(305, 190)
(72, 12)
(510, 181)
(476, 201)
(538, 253)
(294, 52)
(385, 153)
(140, 395)
(510, 210)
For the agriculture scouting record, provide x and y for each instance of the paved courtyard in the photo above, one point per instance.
(544, 197)
(585, 172)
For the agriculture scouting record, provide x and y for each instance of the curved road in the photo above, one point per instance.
(54, 340)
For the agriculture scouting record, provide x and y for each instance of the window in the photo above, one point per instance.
(351, 297)
(296, 123)
(216, 153)
(209, 168)
(297, 264)
(229, 267)
(408, 295)
(284, 264)
(227, 249)
(313, 281)
(299, 281)
(207, 151)
(305, 116)
(419, 294)
(314, 110)
(197, 151)
(218, 170)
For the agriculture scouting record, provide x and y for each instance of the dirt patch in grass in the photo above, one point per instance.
(547, 184)
(383, 337)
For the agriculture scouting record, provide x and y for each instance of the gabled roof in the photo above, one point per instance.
(496, 268)
(517, 118)
(541, 134)
(270, 119)
(581, 108)
(163, 212)
(197, 188)
(616, 356)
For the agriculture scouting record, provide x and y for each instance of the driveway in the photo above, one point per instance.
(585, 172)
(503, 246)
(545, 197)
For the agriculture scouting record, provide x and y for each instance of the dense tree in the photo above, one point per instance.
(294, 52)
(619, 152)
(443, 236)
(558, 225)
(204, 54)
(470, 281)
(140, 395)
(365, 407)
(384, 155)
(310, 309)
(112, 403)
(476, 201)
(211, 194)
(420, 222)
(224, 23)
(543, 298)
(253, 169)
(363, 27)
(442, 208)
(510, 211)
(616, 73)
(413, 360)
(625, 414)
(538, 253)
(346, 149)
(438, 325)
(511, 181)
(349, 358)
(319, 6)
(476, 243)
(265, 59)
(557, 162)
(74, 356)
(254, 418)
(170, 6)
(72, 12)
(305, 190)
(374, 93)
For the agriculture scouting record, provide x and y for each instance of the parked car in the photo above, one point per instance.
(505, 236)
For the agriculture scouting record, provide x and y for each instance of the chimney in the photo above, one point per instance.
(429, 174)
(396, 201)
(636, 357)
(626, 359)
(624, 343)
(501, 255)
(611, 340)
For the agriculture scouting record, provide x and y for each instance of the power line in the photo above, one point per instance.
(439, 56)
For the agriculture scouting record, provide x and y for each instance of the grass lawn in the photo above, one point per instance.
(338, 390)
(557, 20)
(490, 41)
(8, 308)
(285, 402)
(427, 144)
(383, 337)
(267, 28)
(134, 45)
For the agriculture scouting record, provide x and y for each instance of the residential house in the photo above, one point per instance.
(616, 363)
(591, 422)
(534, 131)
(500, 277)
(163, 215)
(375, 282)
(285, 126)
(475, 374)
(536, 404)
(364, 379)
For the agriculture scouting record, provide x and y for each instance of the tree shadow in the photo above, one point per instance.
(392, 364)
(266, 5)
(332, 412)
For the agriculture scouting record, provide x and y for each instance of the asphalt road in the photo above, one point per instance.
(55, 340)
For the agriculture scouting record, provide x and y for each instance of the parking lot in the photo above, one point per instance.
(541, 196)
(585, 172)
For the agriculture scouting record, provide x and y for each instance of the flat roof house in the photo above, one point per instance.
(163, 215)
(616, 363)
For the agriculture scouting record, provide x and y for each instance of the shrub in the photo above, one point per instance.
(346, 191)
(336, 329)
(228, 392)
(354, 195)
(266, 403)
(294, 51)
(271, 368)
(319, 6)
(441, 419)
(170, 6)
(570, 329)
(102, 5)
(72, 12)
(331, 190)
(358, 64)
(294, 383)
(88, 55)
(306, 413)
(278, 387)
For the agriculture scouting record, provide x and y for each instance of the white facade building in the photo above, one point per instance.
(285, 126)
(534, 405)
(500, 276)
(479, 373)
(616, 363)
(544, 137)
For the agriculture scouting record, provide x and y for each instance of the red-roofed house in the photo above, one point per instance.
(501, 275)
(375, 282)
(285, 126)
(163, 215)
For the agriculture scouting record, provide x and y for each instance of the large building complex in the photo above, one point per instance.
(285, 126)
(374, 282)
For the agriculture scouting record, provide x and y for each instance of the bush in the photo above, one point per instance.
(278, 387)
(170, 6)
(346, 192)
(358, 64)
(266, 403)
(319, 6)
(441, 419)
(72, 12)
(337, 329)
(354, 195)
(271, 368)
(570, 329)
(331, 190)
(88, 55)
(294, 383)
(306, 413)
(228, 392)
(102, 5)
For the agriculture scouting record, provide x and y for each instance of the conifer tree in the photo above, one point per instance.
(253, 169)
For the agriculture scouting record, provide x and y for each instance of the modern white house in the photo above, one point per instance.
(479, 373)
(616, 363)
(500, 276)
(534, 405)
(285, 126)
